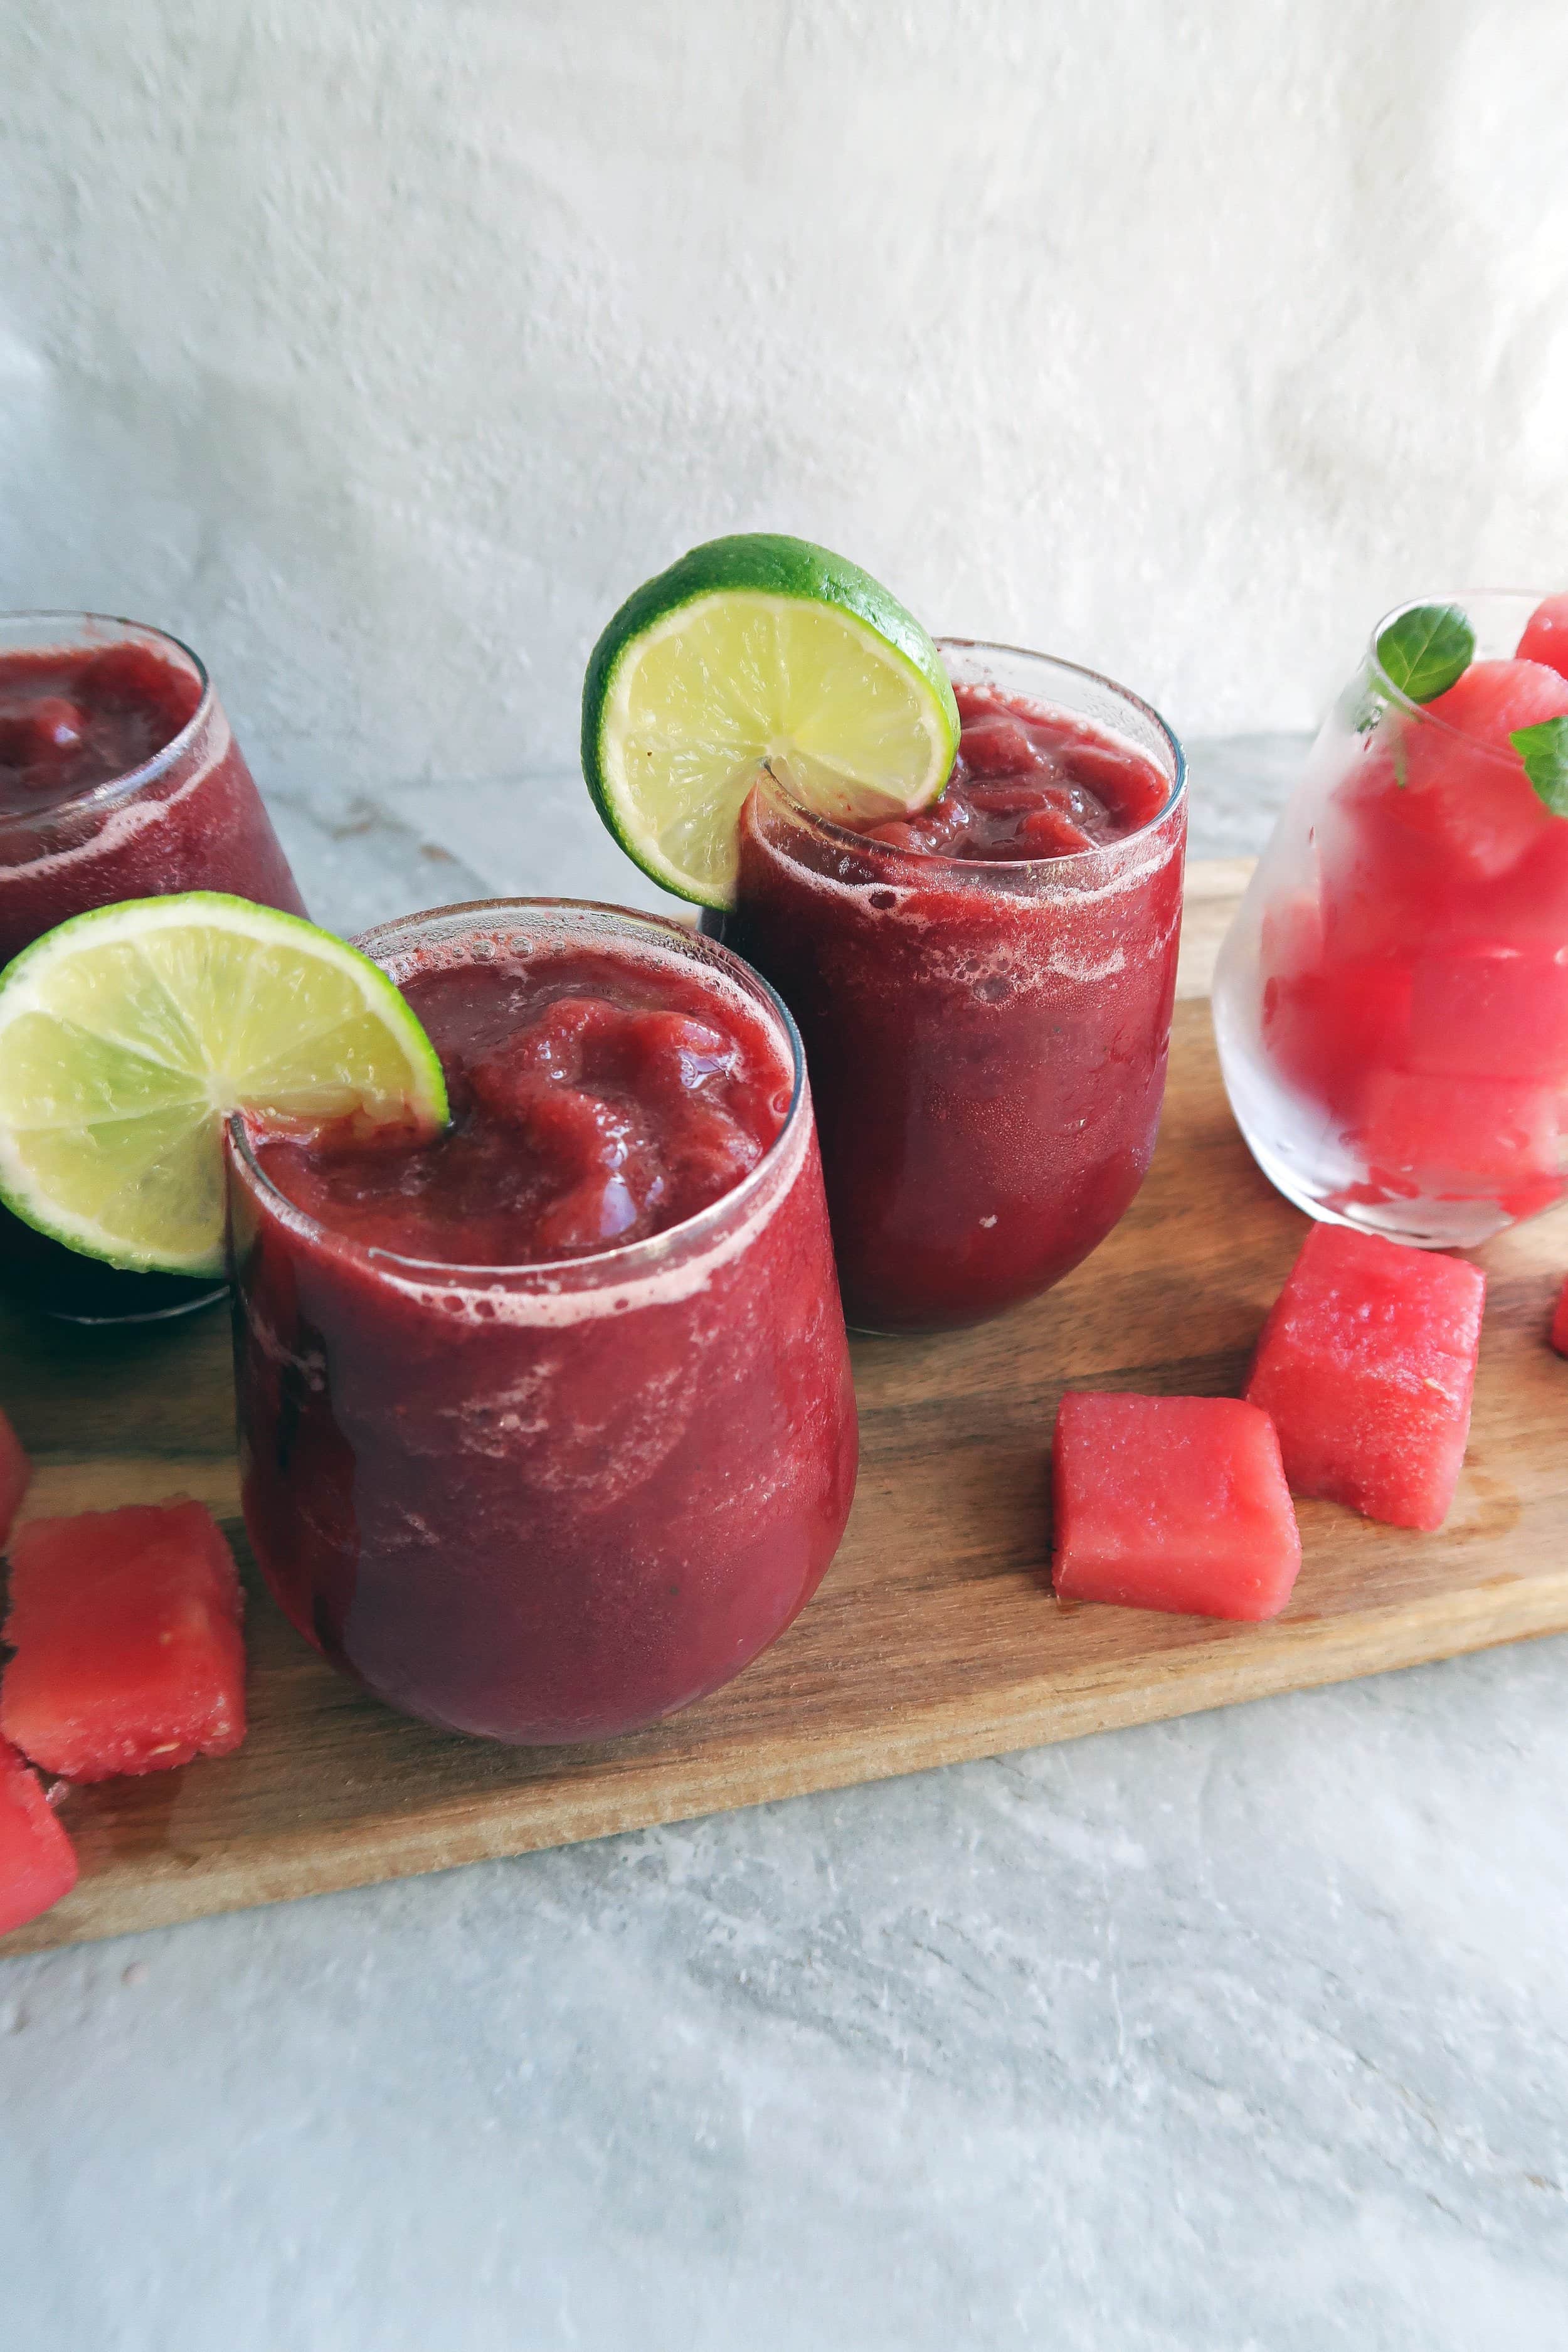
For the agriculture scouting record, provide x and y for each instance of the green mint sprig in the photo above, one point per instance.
(1427, 650)
(1544, 750)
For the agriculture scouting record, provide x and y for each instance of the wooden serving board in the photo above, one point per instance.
(935, 1635)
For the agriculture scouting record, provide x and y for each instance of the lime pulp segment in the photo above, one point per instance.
(129, 1035)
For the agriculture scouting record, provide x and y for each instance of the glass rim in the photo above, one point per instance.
(1064, 860)
(624, 1260)
(1462, 601)
(125, 785)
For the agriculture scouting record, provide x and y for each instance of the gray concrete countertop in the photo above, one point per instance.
(1246, 2033)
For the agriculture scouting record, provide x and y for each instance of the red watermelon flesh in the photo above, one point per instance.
(1389, 881)
(16, 1470)
(1327, 1028)
(1173, 1503)
(1468, 789)
(1291, 936)
(1491, 1010)
(38, 1860)
(1367, 1363)
(1489, 702)
(126, 1629)
(1456, 1136)
(1545, 638)
(1559, 1324)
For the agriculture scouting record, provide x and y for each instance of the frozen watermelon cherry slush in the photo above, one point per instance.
(546, 1423)
(985, 989)
(119, 779)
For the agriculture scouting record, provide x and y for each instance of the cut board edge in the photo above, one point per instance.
(1267, 1662)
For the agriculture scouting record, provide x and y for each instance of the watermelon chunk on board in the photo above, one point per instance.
(126, 1629)
(1172, 1503)
(38, 1860)
(1367, 1364)
(16, 1471)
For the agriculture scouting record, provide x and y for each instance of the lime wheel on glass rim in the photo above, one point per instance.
(131, 1033)
(751, 651)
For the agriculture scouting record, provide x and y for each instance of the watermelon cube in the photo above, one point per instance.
(1545, 638)
(1367, 1363)
(38, 1860)
(1386, 881)
(15, 1472)
(1173, 1502)
(126, 1629)
(1291, 936)
(1559, 1324)
(1469, 788)
(1328, 1028)
(1463, 1136)
(1491, 1010)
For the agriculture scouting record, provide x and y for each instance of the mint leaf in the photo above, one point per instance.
(1427, 650)
(1544, 750)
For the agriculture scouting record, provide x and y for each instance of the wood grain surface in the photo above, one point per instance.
(935, 1635)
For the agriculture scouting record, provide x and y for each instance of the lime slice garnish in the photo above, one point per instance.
(750, 650)
(128, 1036)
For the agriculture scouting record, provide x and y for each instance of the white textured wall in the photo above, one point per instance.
(381, 345)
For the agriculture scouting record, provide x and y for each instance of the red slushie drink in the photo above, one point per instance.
(119, 779)
(546, 1426)
(985, 990)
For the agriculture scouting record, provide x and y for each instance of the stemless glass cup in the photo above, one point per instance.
(189, 818)
(987, 1040)
(1390, 1002)
(552, 1502)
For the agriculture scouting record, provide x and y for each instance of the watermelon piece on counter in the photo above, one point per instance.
(1367, 1365)
(1559, 1324)
(1173, 1503)
(16, 1471)
(38, 1860)
(126, 1629)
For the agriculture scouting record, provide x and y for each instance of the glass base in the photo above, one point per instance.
(1423, 1223)
(927, 1330)
(951, 1325)
(44, 1278)
(1299, 1148)
(117, 1319)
